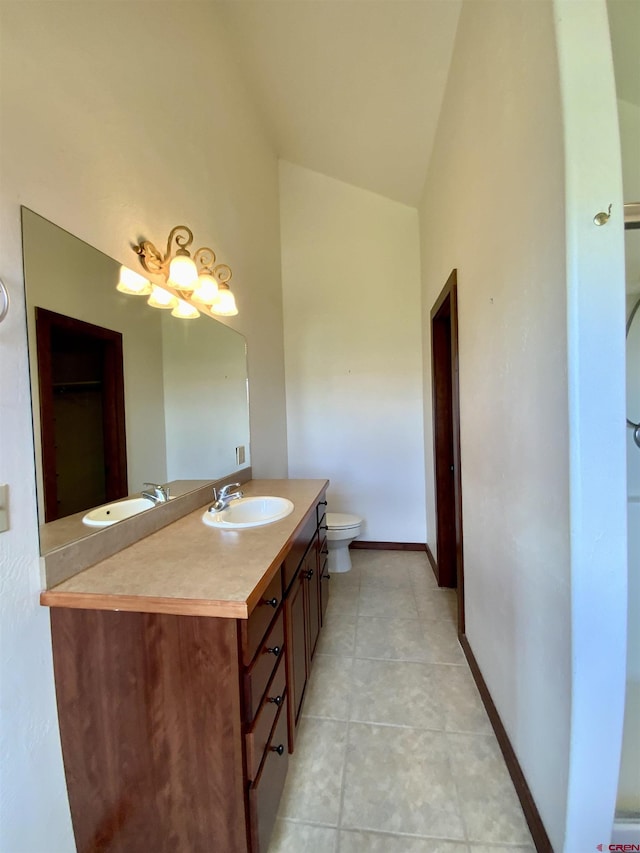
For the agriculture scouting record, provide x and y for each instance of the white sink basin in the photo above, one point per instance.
(249, 512)
(108, 514)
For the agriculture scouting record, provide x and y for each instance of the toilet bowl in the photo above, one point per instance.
(342, 529)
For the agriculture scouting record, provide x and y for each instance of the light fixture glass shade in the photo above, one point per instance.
(133, 283)
(183, 273)
(161, 298)
(225, 304)
(185, 311)
(206, 290)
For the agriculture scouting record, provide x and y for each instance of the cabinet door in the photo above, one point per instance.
(312, 580)
(296, 649)
(324, 587)
(323, 572)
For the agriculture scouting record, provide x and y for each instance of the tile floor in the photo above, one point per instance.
(395, 752)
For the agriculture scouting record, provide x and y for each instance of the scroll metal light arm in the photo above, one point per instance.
(156, 263)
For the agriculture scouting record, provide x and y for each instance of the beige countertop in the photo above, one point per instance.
(189, 568)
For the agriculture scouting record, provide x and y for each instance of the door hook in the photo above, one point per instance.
(602, 218)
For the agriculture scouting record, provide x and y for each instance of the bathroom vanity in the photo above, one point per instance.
(181, 664)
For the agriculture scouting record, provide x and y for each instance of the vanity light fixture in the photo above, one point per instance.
(161, 298)
(226, 304)
(196, 279)
(133, 283)
(185, 311)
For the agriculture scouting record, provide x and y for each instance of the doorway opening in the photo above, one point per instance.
(82, 423)
(446, 441)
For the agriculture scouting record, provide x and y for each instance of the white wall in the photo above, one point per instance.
(118, 121)
(595, 325)
(493, 207)
(350, 275)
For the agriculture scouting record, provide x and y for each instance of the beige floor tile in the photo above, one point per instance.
(418, 758)
(441, 642)
(397, 693)
(422, 576)
(329, 687)
(399, 780)
(386, 573)
(460, 701)
(343, 599)
(399, 603)
(314, 780)
(291, 837)
(338, 636)
(489, 804)
(409, 559)
(423, 587)
(437, 604)
(352, 841)
(346, 579)
(364, 558)
(390, 639)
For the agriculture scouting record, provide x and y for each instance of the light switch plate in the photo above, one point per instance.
(4, 508)
(240, 455)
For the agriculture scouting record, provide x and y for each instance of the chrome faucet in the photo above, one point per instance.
(225, 496)
(156, 493)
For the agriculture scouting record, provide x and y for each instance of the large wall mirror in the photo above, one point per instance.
(122, 393)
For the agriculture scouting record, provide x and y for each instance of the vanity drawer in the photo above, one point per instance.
(270, 651)
(265, 793)
(258, 737)
(253, 630)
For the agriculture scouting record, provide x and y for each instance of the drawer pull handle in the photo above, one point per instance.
(277, 700)
(274, 651)
(272, 601)
(323, 527)
(309, 574)
(326, 577)
(326, 553)
(322, 503)
(279, 749)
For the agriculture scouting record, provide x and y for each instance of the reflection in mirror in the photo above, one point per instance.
(122, 393)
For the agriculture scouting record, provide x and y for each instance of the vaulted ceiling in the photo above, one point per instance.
(348, 88)
(353, 88)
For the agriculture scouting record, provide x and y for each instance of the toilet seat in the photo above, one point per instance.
(342, 520)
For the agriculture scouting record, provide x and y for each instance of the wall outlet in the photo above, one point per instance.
(240, 455)
(4, 508)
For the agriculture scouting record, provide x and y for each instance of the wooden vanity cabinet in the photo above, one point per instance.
(173, 728)
(302, 571)
(176, 729)
(151, 724)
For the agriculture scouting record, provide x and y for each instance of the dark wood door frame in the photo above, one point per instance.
(446, 440)
(113, 404)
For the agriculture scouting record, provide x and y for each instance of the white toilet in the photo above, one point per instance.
(342, 529)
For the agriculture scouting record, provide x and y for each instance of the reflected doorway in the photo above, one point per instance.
(446, 439)
(82, 424)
